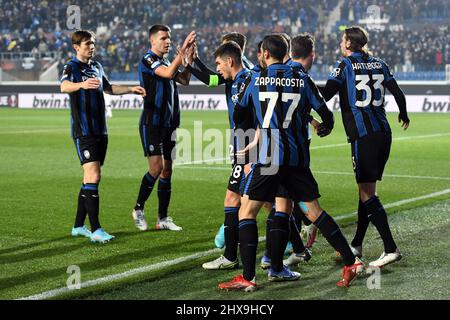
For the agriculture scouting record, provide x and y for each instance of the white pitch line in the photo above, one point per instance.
(199, 161)
(35, 131)
(164, 264)
(395, 139)
(334, 173)
(386, 175)
(336, 145)
(399, 203)
(118, 276)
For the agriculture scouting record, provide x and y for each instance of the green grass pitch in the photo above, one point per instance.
(40, 178)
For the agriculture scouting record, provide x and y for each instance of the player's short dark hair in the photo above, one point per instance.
(288, 40)
(237, 37)
(157, 28)
(229, 49)
(302, 46)
(259, 45)
(82, 35)
(358, 39)
(276, 45)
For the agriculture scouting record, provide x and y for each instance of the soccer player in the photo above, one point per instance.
(85, 81)
(230, 67)
(257, 67)
(278, 96)
(300, 58)
(361, 80)
(231, 71)
(159, 120)
(232, 196)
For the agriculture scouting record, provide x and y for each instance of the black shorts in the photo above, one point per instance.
(298, 182)
(370, 155)
(237, 179)
(91, 149)
(157, 141)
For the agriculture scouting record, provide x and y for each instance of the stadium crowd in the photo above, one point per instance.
(121, 28)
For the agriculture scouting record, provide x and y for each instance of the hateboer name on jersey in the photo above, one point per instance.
(367, 66)
(283, 82)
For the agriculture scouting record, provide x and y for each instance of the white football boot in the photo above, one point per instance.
(386, 258)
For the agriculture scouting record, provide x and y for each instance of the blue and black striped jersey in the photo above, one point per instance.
(362, 79)
(243, 122)
(161, 105)
(87, 106)
(297, 66)
(279, 96)
(232, 92)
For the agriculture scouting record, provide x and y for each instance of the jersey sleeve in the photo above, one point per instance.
(313, 96)
(150, 64)
(317, 102)
(67, 73)
(388, 76)
(105, 81)
(338, 72)
(243, 106)
(244, 93)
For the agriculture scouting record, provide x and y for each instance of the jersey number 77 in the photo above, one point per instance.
(273, 98)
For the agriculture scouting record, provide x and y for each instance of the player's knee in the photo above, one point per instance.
(232, 200)
(166, 173)
(92, 177)
(156, 170)
(312, 210)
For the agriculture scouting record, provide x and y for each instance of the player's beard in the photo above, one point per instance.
(263, 63)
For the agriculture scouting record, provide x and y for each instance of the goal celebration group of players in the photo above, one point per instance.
(269, 110)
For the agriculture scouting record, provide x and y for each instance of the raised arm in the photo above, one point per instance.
(203, 73)
(171, 71)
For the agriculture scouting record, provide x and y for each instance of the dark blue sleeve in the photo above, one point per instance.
(338, 72)
(150, 64)
(313, 96)
(244, 93)
(388, 76)
(67, 73)
(105, 81)
(317, 102)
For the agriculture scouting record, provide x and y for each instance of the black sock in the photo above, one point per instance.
(363, 224)
(305, 220)
(330, 230)
(269, 221)
(279, 233)
(164, 193)
(144, 192)
(295, 225)
(81, 209)
(92, 202)
(248, 238)
(376, 214)
(231, 232)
